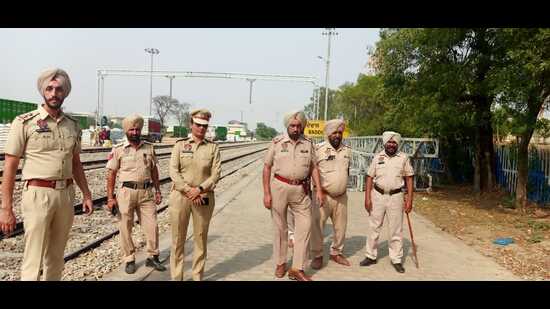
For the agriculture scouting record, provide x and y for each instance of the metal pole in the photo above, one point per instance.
(250, 96)
(171, 78)
(98, 98)
(102, 96)
(329, 33)
(151, 87)
(326, 78)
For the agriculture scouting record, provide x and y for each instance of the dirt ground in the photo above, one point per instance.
(479, 220)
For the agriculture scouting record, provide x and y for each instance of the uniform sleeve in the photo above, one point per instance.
(407, 167)
(173, 169)
(372, 166)
(210, 183)
(15, 144)
(78, 142)
(268, 159)
(314, 154)
(113, 160)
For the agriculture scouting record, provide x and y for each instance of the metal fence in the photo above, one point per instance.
(423, 152)
(538, 186)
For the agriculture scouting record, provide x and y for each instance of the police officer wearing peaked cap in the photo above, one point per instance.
(195, 168)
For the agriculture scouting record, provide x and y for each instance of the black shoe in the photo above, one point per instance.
(367, 262)
(398, 267)
(131, 267)
(155, 263)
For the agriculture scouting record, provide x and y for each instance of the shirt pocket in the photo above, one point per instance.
(69, 141)
(41, 141)
(304, 159)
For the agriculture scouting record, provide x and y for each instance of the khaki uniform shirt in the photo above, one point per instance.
(333, 167)
(291, 161)
(195, 164)
(133, 164)
(388, 172)
(45, 144)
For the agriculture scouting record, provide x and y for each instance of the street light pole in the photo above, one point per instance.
(330, 32)
(171, 77)
(152, 51)
(250, 96)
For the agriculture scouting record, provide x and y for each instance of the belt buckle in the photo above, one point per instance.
(60, 184)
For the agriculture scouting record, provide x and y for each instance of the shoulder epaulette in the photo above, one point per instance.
(71, 117)
(277, 139)
(27, 116)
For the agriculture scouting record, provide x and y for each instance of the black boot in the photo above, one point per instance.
(367, 262)
(130, 267)
(398, 267)
(155, 263)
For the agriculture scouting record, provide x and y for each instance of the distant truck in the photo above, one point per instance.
(151, 130)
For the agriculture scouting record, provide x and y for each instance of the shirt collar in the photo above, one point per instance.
(44, 114)
(127, 143)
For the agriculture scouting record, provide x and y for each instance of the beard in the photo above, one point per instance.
(335, 142)
(133, 138)
(390, 151)
(52, 105)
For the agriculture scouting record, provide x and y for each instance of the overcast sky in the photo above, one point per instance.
(26, 52)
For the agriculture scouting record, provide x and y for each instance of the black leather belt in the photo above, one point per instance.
(381, 191)
(136, 185)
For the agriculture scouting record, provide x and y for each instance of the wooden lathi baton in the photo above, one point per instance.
(412, 241)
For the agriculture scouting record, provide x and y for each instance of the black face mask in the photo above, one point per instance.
(133, 138)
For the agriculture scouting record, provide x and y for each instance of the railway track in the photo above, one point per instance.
(99, 202)
(92, 164)
(108, 149)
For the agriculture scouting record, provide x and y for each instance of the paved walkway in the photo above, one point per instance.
(240, 247)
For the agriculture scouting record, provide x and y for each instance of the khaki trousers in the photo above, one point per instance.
(290, 223)
(284, 197)
(142, 202)
(393, 207)
(48, 214)
(180, 209)
(336, 209)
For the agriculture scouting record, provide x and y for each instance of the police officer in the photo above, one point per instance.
(49, 142)
(386, 175)
(333, 160)
(291, 157)
(195, 170)
(136, 163)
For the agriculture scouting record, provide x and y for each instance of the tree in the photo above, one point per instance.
(162, 106)
(181, 113)
(522, 84)
(543, 128)
(264, 132)
(442, 77)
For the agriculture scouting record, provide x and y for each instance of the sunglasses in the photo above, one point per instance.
(201, 125)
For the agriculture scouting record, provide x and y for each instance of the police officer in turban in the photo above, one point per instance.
(135, 163)
(291, 159)
(387, 174)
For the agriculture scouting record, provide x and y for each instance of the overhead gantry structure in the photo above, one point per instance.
(250, 77)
